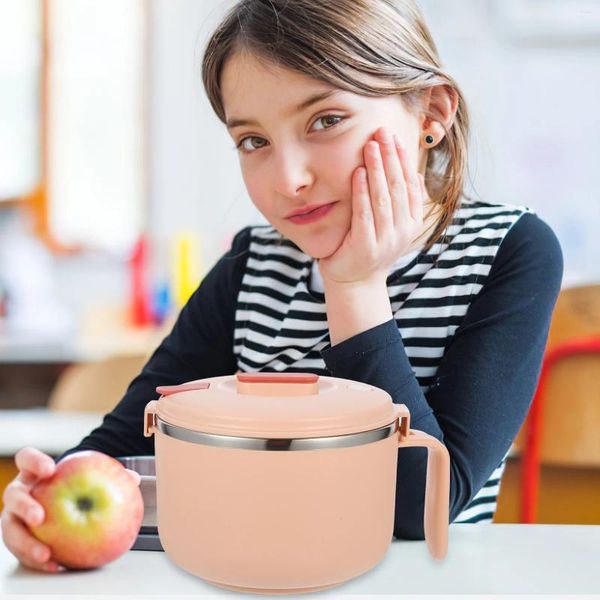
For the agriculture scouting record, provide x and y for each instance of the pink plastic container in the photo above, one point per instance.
(279, 483)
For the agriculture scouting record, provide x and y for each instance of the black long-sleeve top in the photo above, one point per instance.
(484, 379)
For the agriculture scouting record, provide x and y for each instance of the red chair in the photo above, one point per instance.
(563, 425)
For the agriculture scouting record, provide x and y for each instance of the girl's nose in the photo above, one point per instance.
(292, 174)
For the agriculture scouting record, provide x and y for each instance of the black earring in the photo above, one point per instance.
(429, 139)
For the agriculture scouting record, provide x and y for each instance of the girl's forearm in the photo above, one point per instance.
(355, 307)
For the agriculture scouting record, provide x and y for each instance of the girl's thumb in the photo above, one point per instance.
(136, 476)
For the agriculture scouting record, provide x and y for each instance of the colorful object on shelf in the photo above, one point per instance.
(140, 305)
(161, 303)
(187, 267)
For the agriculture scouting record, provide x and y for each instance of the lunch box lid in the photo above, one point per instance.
(275, 405)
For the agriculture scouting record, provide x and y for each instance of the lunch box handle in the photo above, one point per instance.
(437, 488)
(150, 418)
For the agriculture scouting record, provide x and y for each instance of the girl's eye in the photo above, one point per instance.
(250, 149)
(245, 148)
(329, 117)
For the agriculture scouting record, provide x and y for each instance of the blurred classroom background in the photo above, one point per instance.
(119, 189)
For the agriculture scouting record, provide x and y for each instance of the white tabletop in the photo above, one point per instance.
(103, 331)
(483, 559)
(52, 432)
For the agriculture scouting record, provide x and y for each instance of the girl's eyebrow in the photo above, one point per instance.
(237, 122)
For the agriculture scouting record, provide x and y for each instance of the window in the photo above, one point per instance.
(73, 100)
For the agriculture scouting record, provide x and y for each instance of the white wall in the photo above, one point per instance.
(531, 74)
(195, 180)
(534, 137)
(535, 131)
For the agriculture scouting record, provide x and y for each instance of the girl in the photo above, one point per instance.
(376, 267)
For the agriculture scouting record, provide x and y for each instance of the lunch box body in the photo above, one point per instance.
(284, 483)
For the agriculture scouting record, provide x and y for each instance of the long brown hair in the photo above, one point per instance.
(368, 47)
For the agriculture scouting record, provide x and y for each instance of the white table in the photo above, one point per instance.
(52, 432)
(482, 559)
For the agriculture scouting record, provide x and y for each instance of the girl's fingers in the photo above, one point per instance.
(362, 226)
(33, 465)
(18, 501)
(135, 475)
(414, 191)
(379, 190)
(29, 551)
(395, 174)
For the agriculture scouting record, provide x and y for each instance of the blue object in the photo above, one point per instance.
(161, 303)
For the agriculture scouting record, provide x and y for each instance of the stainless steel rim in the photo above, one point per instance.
(277, 444)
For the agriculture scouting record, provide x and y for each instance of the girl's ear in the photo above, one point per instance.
(440, 103)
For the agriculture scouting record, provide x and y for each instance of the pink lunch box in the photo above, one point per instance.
(280, 483)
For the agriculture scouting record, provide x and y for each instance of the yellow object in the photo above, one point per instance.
(187, 267)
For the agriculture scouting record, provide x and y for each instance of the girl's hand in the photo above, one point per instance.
(387, 214)
(21, 510)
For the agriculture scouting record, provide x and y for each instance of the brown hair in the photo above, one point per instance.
(368, 47)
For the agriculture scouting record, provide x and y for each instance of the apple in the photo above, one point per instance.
(93, 510)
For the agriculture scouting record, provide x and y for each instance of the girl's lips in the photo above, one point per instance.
(312, 216)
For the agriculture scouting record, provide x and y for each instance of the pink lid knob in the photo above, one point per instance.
(277, 384)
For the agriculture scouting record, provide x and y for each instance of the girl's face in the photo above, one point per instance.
(295, 153)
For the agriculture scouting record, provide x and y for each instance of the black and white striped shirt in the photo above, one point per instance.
(463, 351)
(281, 322)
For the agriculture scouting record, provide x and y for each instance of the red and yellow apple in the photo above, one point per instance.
(93, 510)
